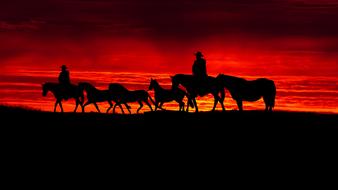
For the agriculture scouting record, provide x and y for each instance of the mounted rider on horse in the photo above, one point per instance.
(199, 71)
(64, 81)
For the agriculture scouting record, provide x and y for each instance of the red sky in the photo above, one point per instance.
(239, 37)
(251, 37)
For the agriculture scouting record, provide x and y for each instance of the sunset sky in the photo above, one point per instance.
(238, 37)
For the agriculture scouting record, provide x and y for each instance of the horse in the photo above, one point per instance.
(167, 95)
(199, 87)
(244, 90)
(61, 92)
(125, 96)
(95, 95)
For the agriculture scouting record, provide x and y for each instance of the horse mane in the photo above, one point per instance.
(87, 85)
(50, 84)
(232, 78)
(181, 75)
(156, 83)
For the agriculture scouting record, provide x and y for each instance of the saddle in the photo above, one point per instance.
(67, 90)
(202, 85)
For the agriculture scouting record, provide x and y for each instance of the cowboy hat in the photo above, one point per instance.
(198, 54)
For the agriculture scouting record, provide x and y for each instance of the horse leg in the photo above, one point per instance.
(216, 99)
(114, 108)
(56, 103)
(141, 105)
(97, 107)
(181, 105)
(221, 100)
(189, 99)
(120, 106)
(160, 106)
(110, 106)
(60, 104)
(86, 104)
(128, 107)
(240, 105)
(195, 104)
(267, 103)
(156, 105)
(148, 104)
(77, 104)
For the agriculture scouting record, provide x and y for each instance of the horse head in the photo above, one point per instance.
(49, 86)
(182, 79)
(84, 86)
(153, 84)
(228, 81)
(174, 81)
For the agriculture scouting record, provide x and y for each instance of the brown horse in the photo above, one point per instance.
(95, 95)
(167, 95)
(244, 90)
(199, 87)
(125, 96)
(61, 92)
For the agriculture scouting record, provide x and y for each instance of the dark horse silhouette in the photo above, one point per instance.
(124, 96)
(244, 90)
(95, 95)
(60, 94)
(195, 88)
(167, 95)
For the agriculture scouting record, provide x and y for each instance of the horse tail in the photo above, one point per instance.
(274, 94)
(271, 94)
(222, 91)
(82, 98)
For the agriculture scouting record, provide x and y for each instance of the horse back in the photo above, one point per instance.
(170, 94)
(265, 83)
(140, 93)
(133, 95)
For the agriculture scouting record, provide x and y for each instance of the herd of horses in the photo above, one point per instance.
(239, 88)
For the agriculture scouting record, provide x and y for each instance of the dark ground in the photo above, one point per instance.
(230, 142)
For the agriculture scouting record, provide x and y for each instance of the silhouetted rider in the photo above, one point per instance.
(64, 78)
(64, 81)
(199, 71)
(199, 68)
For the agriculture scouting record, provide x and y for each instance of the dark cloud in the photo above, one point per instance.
(180, 19)
(20, 26)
